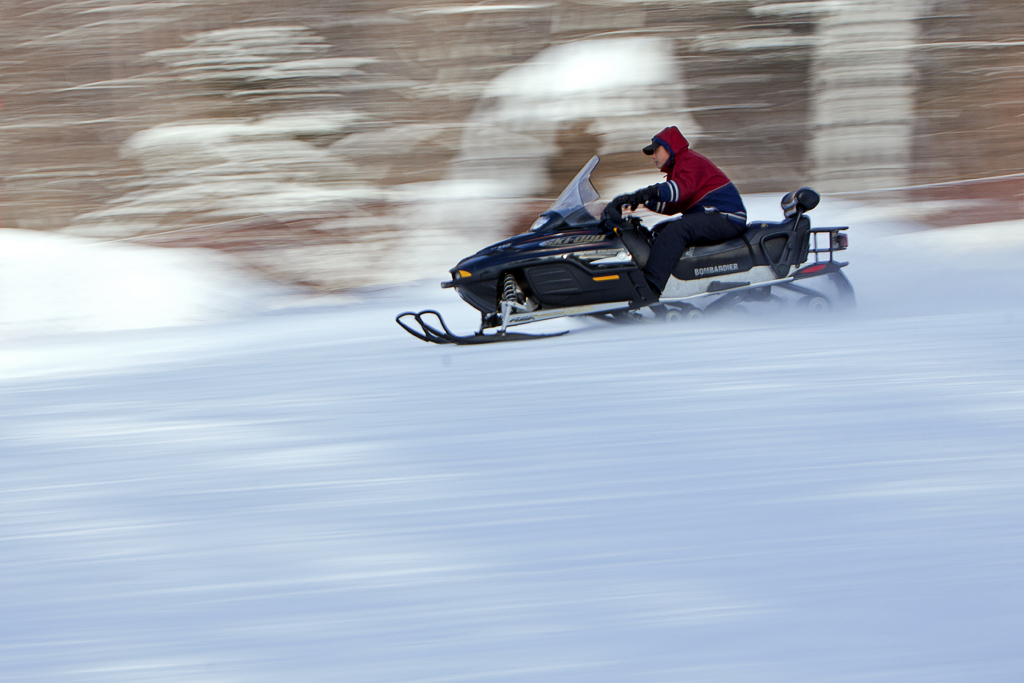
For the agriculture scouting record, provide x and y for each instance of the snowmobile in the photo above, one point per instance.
(580, 260)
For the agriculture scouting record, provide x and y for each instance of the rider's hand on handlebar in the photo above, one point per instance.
(644, 196)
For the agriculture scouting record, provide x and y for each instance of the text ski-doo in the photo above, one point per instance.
(573, 263)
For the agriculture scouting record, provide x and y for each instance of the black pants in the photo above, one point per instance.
(676, 236)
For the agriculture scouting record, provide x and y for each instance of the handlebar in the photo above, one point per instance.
(612, 214)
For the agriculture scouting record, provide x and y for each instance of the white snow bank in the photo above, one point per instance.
(52, 283)
(599, 80)
(212, 133)
(604, 65)
(619, 89)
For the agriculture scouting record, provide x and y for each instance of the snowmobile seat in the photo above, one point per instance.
(779, 245)
(716, 249)
(735, 255)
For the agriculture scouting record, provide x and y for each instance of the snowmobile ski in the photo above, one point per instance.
(429, 333)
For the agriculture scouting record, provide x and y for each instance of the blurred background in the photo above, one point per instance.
(337, 143)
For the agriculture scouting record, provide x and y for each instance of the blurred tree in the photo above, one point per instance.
(124, 118)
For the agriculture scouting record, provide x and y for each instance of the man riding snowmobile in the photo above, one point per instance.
(570, 263)
(712, 208)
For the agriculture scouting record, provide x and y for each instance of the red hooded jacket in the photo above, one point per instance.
(693, 182)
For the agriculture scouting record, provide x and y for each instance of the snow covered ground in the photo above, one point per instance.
(310, 494)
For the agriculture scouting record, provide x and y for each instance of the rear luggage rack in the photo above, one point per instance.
(836, 241)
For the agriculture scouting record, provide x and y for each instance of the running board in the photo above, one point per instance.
(806, 272)
(508, 319)
(740, 287)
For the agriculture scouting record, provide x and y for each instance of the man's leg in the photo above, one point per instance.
(695, 229)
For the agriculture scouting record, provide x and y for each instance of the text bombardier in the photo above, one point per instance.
(716, 270)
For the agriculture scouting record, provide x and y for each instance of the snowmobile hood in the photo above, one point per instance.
(671, 139)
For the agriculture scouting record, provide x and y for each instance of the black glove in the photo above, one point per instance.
(613, 209)
(617, 203)
(635, 199)
(644, 196)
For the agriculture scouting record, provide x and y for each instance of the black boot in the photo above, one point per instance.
(647, 293)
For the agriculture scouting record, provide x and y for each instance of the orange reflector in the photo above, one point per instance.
(604, 278)
(465, 273)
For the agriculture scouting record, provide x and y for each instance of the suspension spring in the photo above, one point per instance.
(510, 290)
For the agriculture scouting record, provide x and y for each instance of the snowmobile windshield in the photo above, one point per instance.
(572, 206)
